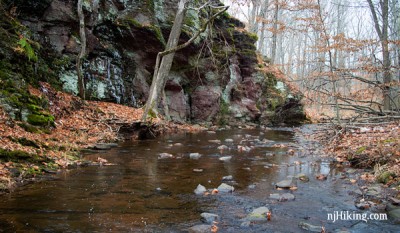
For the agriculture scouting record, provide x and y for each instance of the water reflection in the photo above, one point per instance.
(144, 193)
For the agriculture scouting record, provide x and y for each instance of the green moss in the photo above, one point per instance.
(223, 113)
(29, 128)
(25, 142)
(385, 177)
(41, 119)
(6, 155)
(253, 37)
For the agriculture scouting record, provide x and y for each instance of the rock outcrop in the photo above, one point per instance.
(213, 80)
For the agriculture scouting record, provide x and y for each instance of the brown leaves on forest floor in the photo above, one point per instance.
(79, 124)
(375, 146)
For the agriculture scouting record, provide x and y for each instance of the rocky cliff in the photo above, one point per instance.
(213, 80)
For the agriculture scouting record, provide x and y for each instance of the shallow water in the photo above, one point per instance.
(142, 193)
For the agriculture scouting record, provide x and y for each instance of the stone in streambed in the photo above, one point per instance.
(165, 156)
(200, 190)
(309, 227)
(200, 229)
(225, 158)
(209, 217)
(284, 184)
(227, 178)
(282, 197)
(225, 188)
(194, 155)
(259, 214)
(222, 147)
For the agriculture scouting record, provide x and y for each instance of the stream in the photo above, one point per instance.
(142, 193)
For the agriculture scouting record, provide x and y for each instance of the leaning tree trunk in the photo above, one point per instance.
(161, 71)
(81, 81)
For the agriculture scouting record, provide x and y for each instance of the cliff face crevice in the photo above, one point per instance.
(213, 78)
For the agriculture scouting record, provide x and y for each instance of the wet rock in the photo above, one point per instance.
(194, 155)
(244, 148)
(302, 177)
(211, 132)
(209, 217)
(282, 196)
(103, 146)
(229, 140)
(225, 158)
(321, 177)
(165, 156)
(200, 190)
(227, 178)
(198, 170)
(222, 147)
(200, 229)
(374, 190)
(178, 144)
(284, 184)
(225, 188)
(259, 214)
(309, 227)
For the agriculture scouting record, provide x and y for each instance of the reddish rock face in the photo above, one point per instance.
(205, 103)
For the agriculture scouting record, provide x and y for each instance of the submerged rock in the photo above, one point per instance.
(259, 214)
(284, 184)
(200, 190)
(309, 227)
(225, 158)
(165, 156)
(209, 217)
(282, 197)
(227, 178)
(194, 155)
(200, 229)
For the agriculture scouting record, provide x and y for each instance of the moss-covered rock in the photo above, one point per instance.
(385, 177)
(41, 119)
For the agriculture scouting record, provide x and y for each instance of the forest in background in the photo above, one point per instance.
(342, 55)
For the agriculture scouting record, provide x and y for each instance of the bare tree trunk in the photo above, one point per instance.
(383, 37)
(164, 59)
(275, 32)
(82, 53)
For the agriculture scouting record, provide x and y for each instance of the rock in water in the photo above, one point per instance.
(194, 155)
(259, 214)
(200, 189)
(222, 147)
(165, 156)
(284, 184)
(224, 188)
(228, 178)
(282, 197)
(200, 229)
(309, 227)
(225, 158)
(209, 217)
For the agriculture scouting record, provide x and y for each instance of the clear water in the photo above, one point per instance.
(142, 193)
